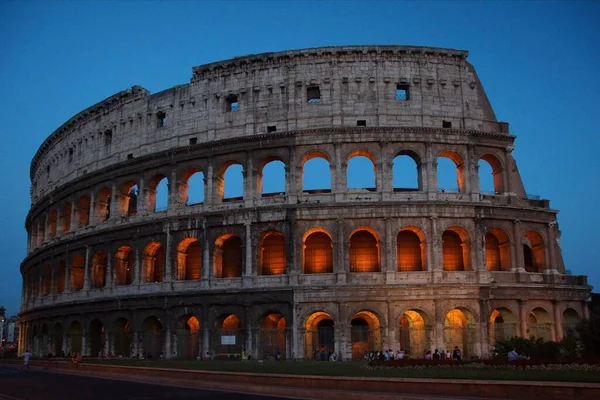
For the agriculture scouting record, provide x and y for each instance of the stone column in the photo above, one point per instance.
(385, 183)
(338, 173)
(249, 182)
(558, 331)
(208, 184)
(388, 248)
(91, 211)
(518, 248)
(84, 346)
(47, 228)
(113, 210)
(205, 341)
(523, 318)
(439, 325)
(168, 255)
(472, 178)
(248, 270)
(68, 263)
(86, 271)
(74, 222)
(137, 266)
(430, 172)
(167, 350)
(291, 179)
(173, 201)
(142, 204)
(586, 309)
(207, 272)
(340, 266)
(109, 269)
(435, 246)
(551, 264)
(484, 337)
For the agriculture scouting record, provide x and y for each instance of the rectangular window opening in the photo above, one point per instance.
(70, 156)
(232, 103)
(130, 156)
(402, 93)
(161, 119)
(107, 138)
(361, 122)
(446, 124)
(271, 129)
(313, 94)
(193, 140)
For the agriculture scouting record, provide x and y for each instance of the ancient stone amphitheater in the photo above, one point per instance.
(303, 269)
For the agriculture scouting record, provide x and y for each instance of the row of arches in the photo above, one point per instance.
(229, 182)
(273, 258)
(186, 338)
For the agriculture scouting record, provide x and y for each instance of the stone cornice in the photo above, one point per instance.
(265, 60)
(100, 108)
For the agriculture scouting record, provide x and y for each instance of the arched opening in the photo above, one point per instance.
(46, 279)
(123, 268)
(364, 252)
(102, 205)
(154, 263)
(540, 324)
(59, 278)
(157, 197)
(455, 250)
(497, 250)
(316, 174)
(411, 250)
(450, 172)
(272, 337)
(318, 252)
(460, 332)
(189, 260)
(228, 259)
(230, 182)
(503, 325)
(188, 337)
(319, 337)
(99, 270)
(121, 338)
(229, 340)
(152, 338)
(365, 334)
(41, 231)
(272, 257)
(271, 178)
(361, 171)
(191, 187)
(34, 282)
(83, 210)
(406, 172)
(77, 272)
(97, 340)
(74, 336)
(128, 199)
(53, 220)
(415, 333)
(57, 339)
(570, 320)
(65, 217)
(490, 175)
(534, 252)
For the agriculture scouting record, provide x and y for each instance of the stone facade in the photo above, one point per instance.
(296, 271)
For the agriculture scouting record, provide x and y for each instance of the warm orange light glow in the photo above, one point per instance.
(452, 251)
(123, 266)
(193, 324)
(77, 272)
(409, 250)
(231, 323)
(99, 269)
(189, 259)
(536, 260)
(154, 262)
(364, 252)
(318, 254)
(272, 254)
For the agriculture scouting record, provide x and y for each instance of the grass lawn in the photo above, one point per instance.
(353, 368)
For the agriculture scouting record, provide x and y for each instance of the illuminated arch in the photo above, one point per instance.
(497, 250)
(534, 252)
(264, 167)
(411, 249)
(415, 332)
(319, 335)
(497, 172)
(272, 253)
(317, 251)
(154, 262)
(459, 331)
(123, 266)
(456, 249)
(99, 270)
(503, 325)
(77, 272)
(228, 257)
(540, 324)
(365, 334)
(458, 161)
(364, 250)
(189, 259)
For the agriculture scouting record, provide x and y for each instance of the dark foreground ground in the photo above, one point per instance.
(40, 385)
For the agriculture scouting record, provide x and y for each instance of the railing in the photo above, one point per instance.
(533, 196)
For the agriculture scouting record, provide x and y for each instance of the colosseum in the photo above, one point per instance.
(302, 268)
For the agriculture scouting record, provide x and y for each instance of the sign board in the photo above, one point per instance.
(11, 332)
(228, 339)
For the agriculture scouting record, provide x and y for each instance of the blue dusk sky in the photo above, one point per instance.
(538, 62)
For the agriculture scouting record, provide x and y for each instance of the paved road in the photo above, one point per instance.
(40, 385)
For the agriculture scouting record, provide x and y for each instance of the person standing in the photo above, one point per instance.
(26, 358)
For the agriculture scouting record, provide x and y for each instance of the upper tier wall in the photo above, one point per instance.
(272, 91)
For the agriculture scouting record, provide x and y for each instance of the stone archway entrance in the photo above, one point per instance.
(187, 336)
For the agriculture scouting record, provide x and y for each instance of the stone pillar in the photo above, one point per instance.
(208, 184)
(109, 268)
(206, 270)
(135, 345)
(74, 222)
(558, 328)
(479, 244)
(388, 248)
(65, 344)
(86, 271)
(248, 270)
(518, 248)
(68, 263)
(484, 336)
(114, 202)
(338, 173)
(505, 171)
(250, 175)
(472, 178)
(168, 255)
(173, 201)
(91, 211)
(296, 329)
(137, 266)
(291, 188)
(430, 172)
(41, 282)
(84, 346)
(439, 325)
(551, 264)
(435, 246)
(523, 318)
(167, 350)
(47, 228)
(340, 266)
(385, 179)
(142, 204)
(205, 342)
